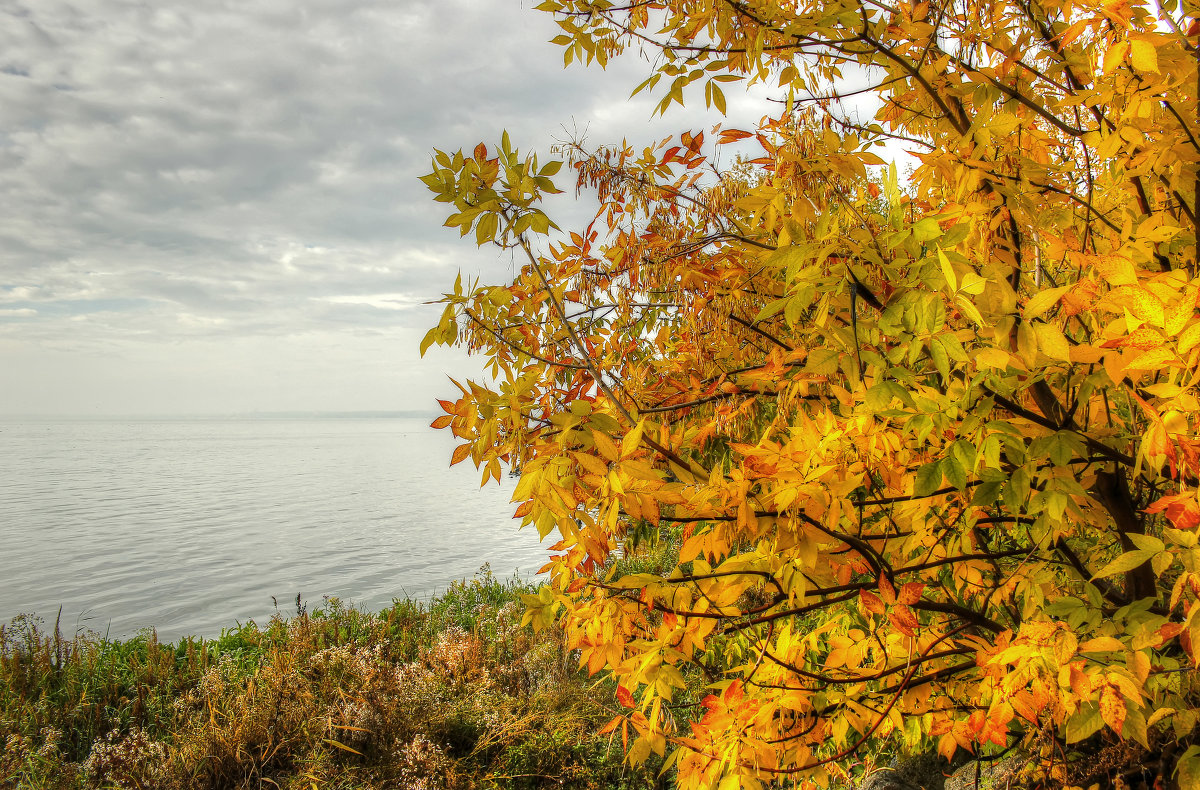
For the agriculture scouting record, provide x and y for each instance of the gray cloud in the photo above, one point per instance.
(175, 173)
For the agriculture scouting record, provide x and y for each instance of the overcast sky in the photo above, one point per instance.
(212, 206)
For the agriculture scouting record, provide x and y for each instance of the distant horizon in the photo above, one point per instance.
(315, 414)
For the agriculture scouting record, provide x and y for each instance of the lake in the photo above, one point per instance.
(189, 526)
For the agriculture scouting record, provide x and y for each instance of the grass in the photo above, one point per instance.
(450, 694)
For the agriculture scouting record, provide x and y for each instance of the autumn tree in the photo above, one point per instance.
(923, 453)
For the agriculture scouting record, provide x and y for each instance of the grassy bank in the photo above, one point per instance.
(450, 694)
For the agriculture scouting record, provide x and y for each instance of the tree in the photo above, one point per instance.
(924, 455)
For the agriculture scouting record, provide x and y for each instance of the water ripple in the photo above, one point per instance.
(191, 526)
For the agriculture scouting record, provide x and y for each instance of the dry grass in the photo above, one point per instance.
(451, 695)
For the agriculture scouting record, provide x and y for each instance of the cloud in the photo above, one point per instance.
(174, 171)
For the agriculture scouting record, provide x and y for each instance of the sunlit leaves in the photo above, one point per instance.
(910, 462)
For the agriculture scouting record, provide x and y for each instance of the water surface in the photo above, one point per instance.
(189, 526)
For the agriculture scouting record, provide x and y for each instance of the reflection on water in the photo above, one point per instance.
(189, 526)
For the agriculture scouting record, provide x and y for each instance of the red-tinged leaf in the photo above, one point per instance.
(523, 509)
(460, 452)
(480, 153)
(732, 136)
(1112, 708)
(1138, 301)
(1170, 631)
(447, 406)
(1143, 339)
(910, 593)
(442, 422)
(904, 620)
(612, 725)
(624, 697)
(1183, 511)
(871, 602)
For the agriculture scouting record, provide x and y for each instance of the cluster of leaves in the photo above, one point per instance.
(453, 694)
(931, 448)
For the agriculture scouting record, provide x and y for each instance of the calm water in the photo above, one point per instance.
(189, 526)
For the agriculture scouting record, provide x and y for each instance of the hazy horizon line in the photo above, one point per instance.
(297, 414)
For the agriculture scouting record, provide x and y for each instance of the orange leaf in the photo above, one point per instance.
(441, 422)
(904, 620)
(460, 453)
(733, 135)
(624, 697)
(910, 593)
(871, 602)
(886, 591)
(947, 745)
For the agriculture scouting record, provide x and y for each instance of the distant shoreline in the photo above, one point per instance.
(263, 415)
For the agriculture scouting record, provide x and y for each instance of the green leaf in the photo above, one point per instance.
(926, 230)
(1146, 542)
(964, 453)
(986, 493)
(941, 359)
(1085, 723)
(822, 361)
(1187, 770)
(1126, 562)
(929, 479)
(955, 474)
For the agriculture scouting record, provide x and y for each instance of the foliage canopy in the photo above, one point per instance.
(925, 453)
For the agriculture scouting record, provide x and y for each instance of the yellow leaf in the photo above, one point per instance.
(1086, 354)
(992, 357)
(1189, 338)
(1151, 360)
(1114, 56)
(1112, 708)
(605, 445)
(1042, 301)
(460, 453)
(1101, 644)
(1143, 55)
(1052, 342)
(1027, 343)
(947, 270)
(592, 464)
